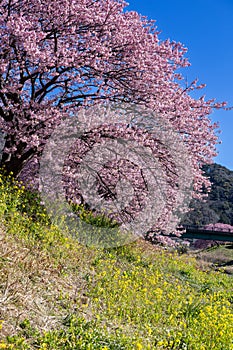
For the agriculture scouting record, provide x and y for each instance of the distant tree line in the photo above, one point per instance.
(218, 206)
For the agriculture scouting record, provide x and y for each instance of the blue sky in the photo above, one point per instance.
(205, 27)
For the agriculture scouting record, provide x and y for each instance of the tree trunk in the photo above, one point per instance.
(14, 162)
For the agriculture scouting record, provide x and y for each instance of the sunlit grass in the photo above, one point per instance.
(58, 294)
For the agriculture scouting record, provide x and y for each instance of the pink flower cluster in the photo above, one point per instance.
(59, 56)
(219, 227)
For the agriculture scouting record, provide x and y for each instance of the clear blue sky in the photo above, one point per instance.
(205, 27)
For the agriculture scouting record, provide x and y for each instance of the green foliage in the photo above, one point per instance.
(14, 197)
(93, 219)
(219, 204)
(77, 333)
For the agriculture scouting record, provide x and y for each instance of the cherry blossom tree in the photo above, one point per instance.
(59, 56)
(219, 227)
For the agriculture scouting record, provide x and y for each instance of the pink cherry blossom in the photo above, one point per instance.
(60, 56)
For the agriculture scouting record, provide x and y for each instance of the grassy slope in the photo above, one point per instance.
(218, 257)
(56, 294)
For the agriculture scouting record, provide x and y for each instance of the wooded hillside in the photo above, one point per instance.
(219, 204)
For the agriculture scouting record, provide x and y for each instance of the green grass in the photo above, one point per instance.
(219, 257)
(58, 294)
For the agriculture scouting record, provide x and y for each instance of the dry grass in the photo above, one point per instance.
(37, 287)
